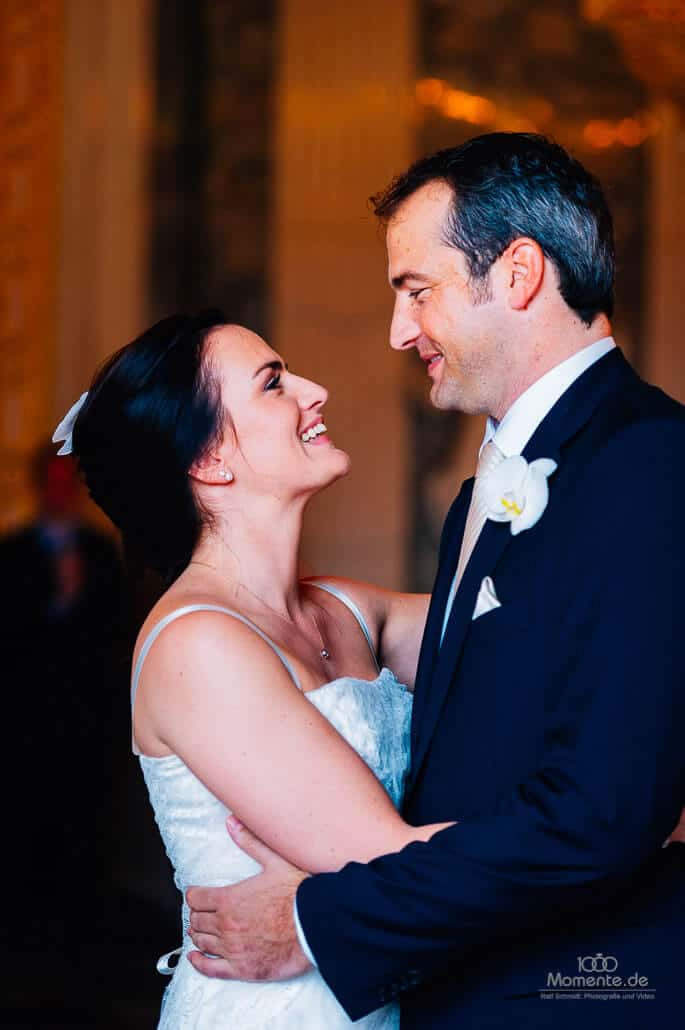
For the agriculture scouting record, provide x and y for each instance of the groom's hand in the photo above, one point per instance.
(248, 926)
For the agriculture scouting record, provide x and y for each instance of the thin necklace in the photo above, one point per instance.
(324, 652)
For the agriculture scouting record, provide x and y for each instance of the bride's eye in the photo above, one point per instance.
(274, 382)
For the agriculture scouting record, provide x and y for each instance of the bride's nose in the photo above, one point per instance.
(311, 395)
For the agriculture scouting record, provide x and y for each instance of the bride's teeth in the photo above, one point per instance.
(315, 431)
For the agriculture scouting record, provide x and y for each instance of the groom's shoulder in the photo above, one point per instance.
(652, 402)
(639, 417)
(632, 444)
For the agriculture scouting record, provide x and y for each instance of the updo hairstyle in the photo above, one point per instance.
(153, 409)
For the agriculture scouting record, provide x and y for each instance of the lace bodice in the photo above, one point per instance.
(374, 717)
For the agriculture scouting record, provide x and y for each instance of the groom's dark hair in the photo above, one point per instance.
(511, 184)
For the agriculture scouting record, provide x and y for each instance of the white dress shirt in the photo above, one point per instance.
(511, 436)
(301, 937)
(527, 412)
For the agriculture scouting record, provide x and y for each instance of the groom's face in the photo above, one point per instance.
(458, 329)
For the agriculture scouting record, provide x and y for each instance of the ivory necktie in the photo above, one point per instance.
(490, 457)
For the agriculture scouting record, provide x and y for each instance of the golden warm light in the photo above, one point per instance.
(457, 104)
(628, 132)
(430, 91)
(468, 107)
(473, 109)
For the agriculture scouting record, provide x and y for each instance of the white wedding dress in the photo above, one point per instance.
(374, 717)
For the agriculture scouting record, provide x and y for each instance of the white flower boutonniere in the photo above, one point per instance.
(517, 492)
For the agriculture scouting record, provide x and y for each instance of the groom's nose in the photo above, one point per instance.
(404, 329)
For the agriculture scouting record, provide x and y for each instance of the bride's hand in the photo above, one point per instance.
(248, 926)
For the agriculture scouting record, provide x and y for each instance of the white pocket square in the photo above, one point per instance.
(487, 599)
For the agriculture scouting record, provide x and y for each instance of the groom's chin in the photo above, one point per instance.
(442, 399)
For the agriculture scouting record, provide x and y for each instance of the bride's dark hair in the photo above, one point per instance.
(152, 410)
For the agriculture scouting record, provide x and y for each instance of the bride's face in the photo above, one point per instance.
(271, 443)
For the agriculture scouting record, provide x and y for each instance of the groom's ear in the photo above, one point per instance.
(524, 268)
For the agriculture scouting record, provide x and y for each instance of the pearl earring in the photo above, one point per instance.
(226, 474)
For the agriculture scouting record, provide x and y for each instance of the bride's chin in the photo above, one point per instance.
(345, 464)
(338, 469)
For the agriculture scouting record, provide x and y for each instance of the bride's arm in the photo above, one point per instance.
(396, 622)
(218, 697)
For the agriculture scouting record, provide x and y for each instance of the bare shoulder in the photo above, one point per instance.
(176, 605)
(201, 662)
(204, 634)
(204, 648)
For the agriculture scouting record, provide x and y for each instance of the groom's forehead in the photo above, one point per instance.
(414, 236)
(427, 205)
(420, 218)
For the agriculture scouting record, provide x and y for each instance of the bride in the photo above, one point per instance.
(253, 692)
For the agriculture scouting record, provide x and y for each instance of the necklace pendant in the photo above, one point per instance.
(325, 653)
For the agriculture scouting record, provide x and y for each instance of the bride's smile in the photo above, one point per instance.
(275, 438)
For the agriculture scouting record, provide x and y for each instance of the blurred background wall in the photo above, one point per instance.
(164, 155)
(161, 156)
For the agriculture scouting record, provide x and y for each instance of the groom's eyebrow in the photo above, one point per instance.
(398, 281)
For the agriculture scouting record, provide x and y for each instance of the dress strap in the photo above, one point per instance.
(349, 603)
(172, 616)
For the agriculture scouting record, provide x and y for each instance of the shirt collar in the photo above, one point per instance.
(527, 412)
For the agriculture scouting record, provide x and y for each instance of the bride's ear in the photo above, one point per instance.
(214, 466)
(211, 469)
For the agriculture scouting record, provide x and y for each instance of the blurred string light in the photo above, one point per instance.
(628, 132)
(473, 109)
(469, 107)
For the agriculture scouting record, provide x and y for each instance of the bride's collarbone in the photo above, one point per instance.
(323, 629)
(347, 653)
(346, 660)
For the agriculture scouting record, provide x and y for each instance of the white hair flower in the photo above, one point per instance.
(66, 427)
(517, 492)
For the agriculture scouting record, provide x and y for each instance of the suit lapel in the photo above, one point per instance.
(492, 542)
(437, 667)
(447, 566)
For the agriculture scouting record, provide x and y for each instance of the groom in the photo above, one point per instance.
(549, 716)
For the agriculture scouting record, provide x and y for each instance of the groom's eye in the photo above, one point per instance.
(415, 294)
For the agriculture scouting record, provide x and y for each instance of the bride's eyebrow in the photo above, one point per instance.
(275, 366)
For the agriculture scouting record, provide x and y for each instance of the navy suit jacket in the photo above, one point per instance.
(552, 729)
